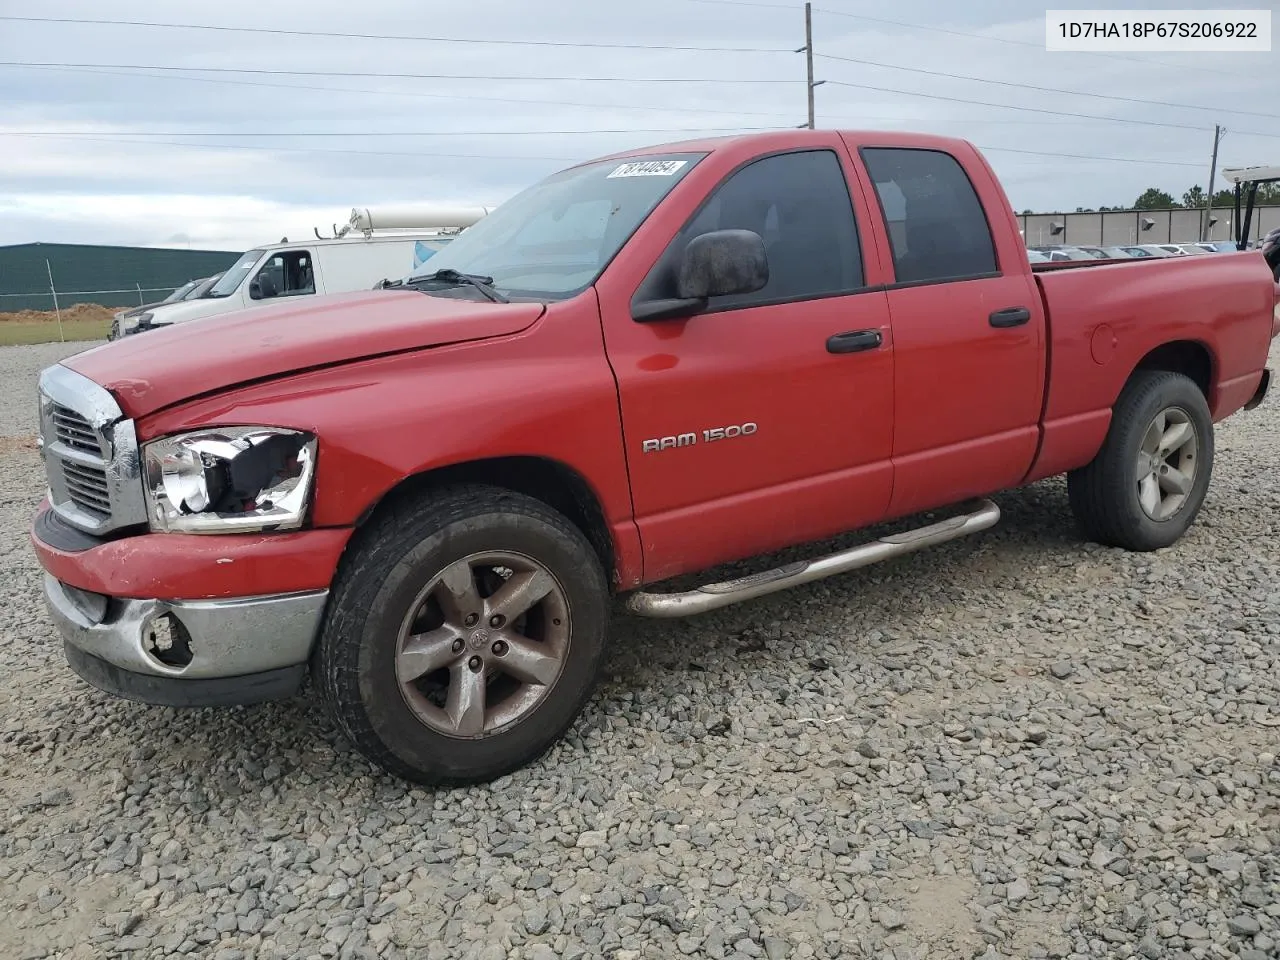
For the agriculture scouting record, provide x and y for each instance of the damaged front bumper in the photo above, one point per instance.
(187, 653)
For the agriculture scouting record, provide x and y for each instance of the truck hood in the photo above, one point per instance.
(155, 369)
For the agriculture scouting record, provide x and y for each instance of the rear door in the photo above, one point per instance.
(765, 420)
(968, 327)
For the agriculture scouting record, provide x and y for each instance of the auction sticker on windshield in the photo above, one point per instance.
(647, 168)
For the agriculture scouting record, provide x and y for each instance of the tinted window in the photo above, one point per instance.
(799, 204)
(936, 223)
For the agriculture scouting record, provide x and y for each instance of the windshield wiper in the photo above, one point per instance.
(452, 278)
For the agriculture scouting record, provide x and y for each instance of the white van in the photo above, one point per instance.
(337, 264)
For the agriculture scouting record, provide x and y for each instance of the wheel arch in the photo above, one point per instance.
(1192, 358)
(552, 482)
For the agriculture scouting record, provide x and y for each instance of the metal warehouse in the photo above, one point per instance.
(89, 273)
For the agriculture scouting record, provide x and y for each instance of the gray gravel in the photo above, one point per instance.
(19, 370)
(1018, 745)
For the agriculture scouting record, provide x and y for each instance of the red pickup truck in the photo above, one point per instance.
(425, 496)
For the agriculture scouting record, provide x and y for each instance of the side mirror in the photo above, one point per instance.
(263, 287)
(721, 263)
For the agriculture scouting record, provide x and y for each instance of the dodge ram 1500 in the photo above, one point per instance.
(426, 496)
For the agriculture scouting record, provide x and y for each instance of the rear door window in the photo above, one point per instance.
(937, 227)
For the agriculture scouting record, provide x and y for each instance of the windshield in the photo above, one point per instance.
(554, 239)
(202, 288)
(233, 277)
(181, 292)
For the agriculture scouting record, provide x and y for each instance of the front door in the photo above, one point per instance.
(767, 419)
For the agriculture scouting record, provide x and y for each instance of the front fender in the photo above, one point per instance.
(544, 392)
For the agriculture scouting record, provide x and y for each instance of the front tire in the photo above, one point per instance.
(464, 636)
(1148, 482)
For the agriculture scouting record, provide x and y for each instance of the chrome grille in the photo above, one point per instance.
(91, 454)
(74, 430)
(87, 487)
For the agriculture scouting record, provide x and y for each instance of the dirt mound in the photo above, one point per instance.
(76, 312)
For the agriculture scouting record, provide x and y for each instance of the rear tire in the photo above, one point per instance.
(464, 635)
(1147, 483)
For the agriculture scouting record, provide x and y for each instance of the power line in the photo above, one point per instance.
(1080, 156)
(470, 156)
(1031, 86)
(397, 133)
(973, 36)
(181, 74)
(328, 34)
(1044, 110)
(181, 71)
(368, 74)
(751, 3)
(306, 150)
(418, 93)
(1086, 118)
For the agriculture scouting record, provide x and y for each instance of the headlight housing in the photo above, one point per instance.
(229, 480)
(131, 324)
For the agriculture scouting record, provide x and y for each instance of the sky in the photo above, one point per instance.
(184, 137)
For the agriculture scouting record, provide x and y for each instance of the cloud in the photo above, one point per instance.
(480, 140)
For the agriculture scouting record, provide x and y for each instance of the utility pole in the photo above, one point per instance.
(1205, 227)
(808, 56)
(807, 50)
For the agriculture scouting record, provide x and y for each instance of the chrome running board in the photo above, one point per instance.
(722, 594)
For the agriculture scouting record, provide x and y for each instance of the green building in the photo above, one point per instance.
(88, 273)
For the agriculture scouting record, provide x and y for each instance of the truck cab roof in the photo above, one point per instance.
(791, 139)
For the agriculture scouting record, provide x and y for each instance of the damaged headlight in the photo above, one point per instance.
(130, 324)
(229, 480)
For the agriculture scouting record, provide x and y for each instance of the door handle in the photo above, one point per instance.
(1010, 317)
(854, 341)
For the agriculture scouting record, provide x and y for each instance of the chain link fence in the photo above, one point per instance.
(14, 304)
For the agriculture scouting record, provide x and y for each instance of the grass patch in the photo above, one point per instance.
(15, 334)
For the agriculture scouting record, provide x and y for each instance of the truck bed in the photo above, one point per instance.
(1101, 314)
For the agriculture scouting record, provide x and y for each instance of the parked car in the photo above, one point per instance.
(1140, 253)
(202, 288)
(1217, 246)
(428, 495)
(190, 289)
(1106, 253)
(1065, 253)
(1161, 250)
(1036, 256)
(1270, 250)
(320, 266)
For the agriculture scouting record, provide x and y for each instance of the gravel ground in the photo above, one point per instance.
(1018, 745)
(19, 371)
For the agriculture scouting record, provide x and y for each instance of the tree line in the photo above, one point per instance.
(1153, 198)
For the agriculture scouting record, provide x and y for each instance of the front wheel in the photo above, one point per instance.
(464, 636)
(1147, 483)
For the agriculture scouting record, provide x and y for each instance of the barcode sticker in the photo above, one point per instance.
(647, 168)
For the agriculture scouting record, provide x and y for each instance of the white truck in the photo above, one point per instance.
(386, 243)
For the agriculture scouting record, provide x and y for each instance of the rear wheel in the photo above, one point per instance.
(1149, 480)
(464, 636)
